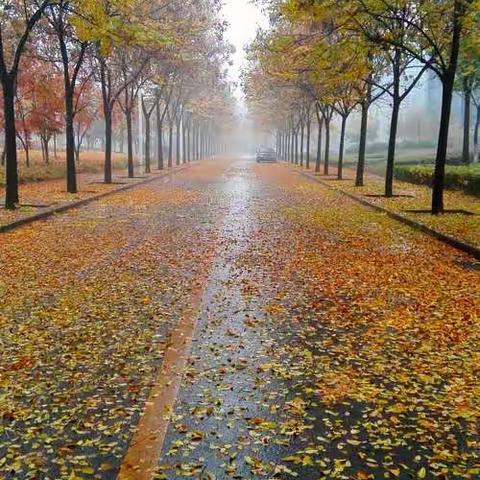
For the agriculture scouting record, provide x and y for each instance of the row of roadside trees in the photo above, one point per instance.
(64, 64)
(326, 58)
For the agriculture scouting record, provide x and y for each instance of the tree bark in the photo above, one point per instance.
(147, 144)
(131, 168)
(309, 125)
(326, 161)
(189, 142)
(107, 171)
(475, 135)
(46, 150)
(448, 81)
(466, 122)
(178, 142)
(391, 148)
(302, 135)
(441, 158)
(359, 180)
(184, 143)
(159, 138)
(296, 146)
(318, 160)
(70, 139)
(170, 145)
(11, 173)
(342, 148)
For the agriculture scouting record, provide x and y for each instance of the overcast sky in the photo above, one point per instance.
(244, 19)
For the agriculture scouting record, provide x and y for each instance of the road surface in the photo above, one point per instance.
(266, 326)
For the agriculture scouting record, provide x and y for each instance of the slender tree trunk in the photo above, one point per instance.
(178, 142)
(441, 159)
(147, 144)
(475, 135)
(296, 147)
(326, 161)
(26, 149)
(448, 81)
(288, 150)
(70, 138)
(107, 113)
(184, 142)
(466, 122)
(359, 180)
(342, 147)
(107, 172)
(319, 144)
(42, 145)
(131, 168)
(309, 125)
(46, 150)
(55, 145)
(391, 148)
(302, 135)
(159, 137)
(170, 145)
(11, 174)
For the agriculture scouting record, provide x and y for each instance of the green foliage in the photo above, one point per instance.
(462, 177)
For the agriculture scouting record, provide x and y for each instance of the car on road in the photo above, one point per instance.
(268, 155)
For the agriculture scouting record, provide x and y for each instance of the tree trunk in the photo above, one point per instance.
(46, 150)
(466, 123)
(326, 161)
(70, 138)
(55, 145)
(170, 145)
(159, 137)
(475, 135)
(189, 143)
(11, 174)
(441, 158)
(448, 81)
(288, 150)
(309, 125)
(184, 143)
(178, 142)
(302, 134)
(296, 147)
(342, 148)
(26, 149)
(391, 148)
(359, 180)
(131, 168)
(107, 173)
(319, 144)
(147, 144)
(42, 145)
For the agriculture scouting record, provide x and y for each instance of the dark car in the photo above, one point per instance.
(266, 155)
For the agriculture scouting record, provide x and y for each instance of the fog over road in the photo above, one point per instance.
(267, 327)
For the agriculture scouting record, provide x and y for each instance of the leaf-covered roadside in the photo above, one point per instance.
(462, 220)
(88, 301)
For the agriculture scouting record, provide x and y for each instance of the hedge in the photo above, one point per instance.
(466, 178)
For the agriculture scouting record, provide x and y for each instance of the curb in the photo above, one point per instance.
(7, 227)
(443, 237)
